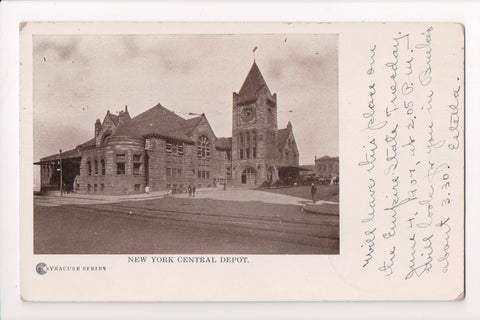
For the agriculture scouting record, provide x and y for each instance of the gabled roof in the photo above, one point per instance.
(158, 121)
(282, 136)
(252, 84)
(224, 144)
(113, 117)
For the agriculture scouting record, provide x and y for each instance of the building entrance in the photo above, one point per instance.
(248, 176)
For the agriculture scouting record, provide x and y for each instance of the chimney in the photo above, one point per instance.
(98, 126)
(123, 116)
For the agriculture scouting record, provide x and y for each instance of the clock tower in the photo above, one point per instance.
(254, 130)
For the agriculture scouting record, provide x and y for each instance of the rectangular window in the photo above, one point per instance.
(121, 168)
(179, 172)
(95, 187)
(136, 168)
(102, 187)
(96, 166)
(241, 153)
(137, 187)
(120, 163)
(89, 164)
(199, 174)
(229, 155)
(254, 152)
(208, 174)
(174, 172)
(169, 172)
(89, 187)
(174, 148)
(229, 171)
(103, 167)
(248, 152)
(137, 164)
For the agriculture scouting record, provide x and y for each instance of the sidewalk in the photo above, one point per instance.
(231, 194)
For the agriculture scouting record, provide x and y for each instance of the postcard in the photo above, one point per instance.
(241, 161)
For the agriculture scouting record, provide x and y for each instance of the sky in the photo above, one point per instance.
(77, 78)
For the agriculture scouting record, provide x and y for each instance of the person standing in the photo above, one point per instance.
(193, 190)
(313, 191)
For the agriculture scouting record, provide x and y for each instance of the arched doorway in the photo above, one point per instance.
(248, 176)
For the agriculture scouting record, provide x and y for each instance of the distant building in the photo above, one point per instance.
(326, 167)
(160, 150)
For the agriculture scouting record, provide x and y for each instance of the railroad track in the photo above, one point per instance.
(291, 230)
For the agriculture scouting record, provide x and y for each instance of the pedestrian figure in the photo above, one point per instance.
(313, 191)
(193, 190)
(189, 188)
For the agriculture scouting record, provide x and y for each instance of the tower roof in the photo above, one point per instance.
(252, 84)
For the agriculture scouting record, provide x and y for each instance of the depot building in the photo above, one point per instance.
(160, 150)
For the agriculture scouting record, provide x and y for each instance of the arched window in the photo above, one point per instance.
(103, 166)
(89, 165)
(203, 148)
(96, 166)
(104, 138)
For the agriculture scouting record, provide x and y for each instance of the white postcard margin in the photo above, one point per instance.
(302, 278)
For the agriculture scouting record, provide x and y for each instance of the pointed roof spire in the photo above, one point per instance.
(252, 84)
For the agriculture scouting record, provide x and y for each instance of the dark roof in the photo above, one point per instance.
(158, 121)
(282, 136)
(252, 84)
(224, 143)
(326, 158)
(309, 167)
(90, 143)
(74, 153)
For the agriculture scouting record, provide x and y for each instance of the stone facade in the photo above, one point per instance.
(162, 151)
(258, 145)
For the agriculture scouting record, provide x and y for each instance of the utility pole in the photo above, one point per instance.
(61, 174)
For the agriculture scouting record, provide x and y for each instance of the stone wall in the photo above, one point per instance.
(94, 182)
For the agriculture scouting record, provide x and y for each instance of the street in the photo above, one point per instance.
(181, 225)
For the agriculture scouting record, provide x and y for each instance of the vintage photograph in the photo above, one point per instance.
(186, 144)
